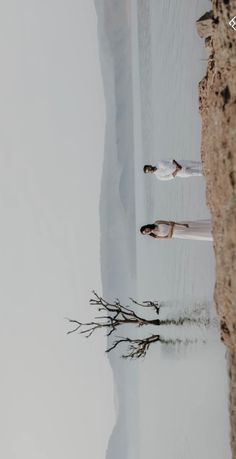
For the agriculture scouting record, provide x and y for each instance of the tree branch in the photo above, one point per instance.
(137, 347)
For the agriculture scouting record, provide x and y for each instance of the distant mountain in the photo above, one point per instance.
(117, 203)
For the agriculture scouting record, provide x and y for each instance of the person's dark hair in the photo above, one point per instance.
(145, 168)
(150, 226)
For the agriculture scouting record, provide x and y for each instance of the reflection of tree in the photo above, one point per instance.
(136, 347)
(112, 316)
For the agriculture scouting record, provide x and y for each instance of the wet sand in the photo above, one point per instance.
(217, 103)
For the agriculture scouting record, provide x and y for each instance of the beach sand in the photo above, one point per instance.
(217, 102)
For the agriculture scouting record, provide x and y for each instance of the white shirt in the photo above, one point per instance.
(165, 170)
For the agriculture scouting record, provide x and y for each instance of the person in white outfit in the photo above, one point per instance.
(200, 230)
(169, 169)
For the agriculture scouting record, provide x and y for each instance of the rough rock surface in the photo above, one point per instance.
(217, 102)
(205, 25)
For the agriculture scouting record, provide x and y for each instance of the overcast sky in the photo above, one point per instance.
(56, 391)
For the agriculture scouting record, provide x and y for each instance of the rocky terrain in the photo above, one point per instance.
(217, 103)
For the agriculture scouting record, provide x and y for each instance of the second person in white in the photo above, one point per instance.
(169, 169)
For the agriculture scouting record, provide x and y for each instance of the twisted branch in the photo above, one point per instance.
(137, 347)
(116, 315)
(113, 315)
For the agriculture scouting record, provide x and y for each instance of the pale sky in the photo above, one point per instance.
(56, 393)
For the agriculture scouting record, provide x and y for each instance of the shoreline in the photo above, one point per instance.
(217, 105)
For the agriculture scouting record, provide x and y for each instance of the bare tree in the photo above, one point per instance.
(114, 315)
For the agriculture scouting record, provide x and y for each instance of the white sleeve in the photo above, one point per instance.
(162, 164)
(164, 177)
(166, 167)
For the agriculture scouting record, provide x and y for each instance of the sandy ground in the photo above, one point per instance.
(217, 102)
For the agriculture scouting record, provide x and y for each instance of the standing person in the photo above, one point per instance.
(169, 169)
(200, 230)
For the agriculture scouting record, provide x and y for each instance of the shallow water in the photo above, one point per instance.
(183, 392)
(174, 403)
